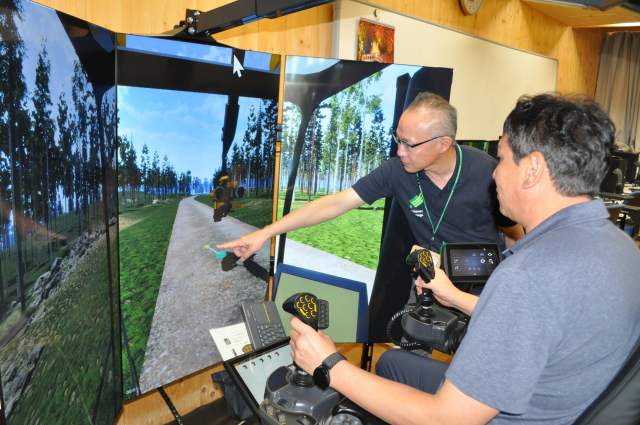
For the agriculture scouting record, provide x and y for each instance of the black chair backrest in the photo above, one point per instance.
(619, 403)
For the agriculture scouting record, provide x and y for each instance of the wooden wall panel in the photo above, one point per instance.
(516, 24)
(187, 394)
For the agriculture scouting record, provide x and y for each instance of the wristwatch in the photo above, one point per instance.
(321, 374)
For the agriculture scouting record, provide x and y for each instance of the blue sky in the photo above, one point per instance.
(215, 54)
(42, 21)
(385, 87)
(185, 126)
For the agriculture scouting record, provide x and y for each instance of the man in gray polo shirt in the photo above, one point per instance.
(557, 318)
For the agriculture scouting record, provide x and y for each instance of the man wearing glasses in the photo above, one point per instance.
(446, 191)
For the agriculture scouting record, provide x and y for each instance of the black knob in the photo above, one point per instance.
(425, 301)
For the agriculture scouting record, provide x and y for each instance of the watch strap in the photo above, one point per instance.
(332, 360)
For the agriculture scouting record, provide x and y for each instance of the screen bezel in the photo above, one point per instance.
(468, 246)
(229, 366)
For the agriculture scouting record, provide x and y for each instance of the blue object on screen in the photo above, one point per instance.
(348, 307)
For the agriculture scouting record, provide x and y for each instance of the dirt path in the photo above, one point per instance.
(198, 292)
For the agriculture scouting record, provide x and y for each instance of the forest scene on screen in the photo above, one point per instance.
(348, 135)
(59, 341)
(192, 174)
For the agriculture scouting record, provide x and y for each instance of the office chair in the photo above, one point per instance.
(619, 403)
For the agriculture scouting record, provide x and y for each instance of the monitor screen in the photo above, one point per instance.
(472, 262)
(347, 303)
(187, 131)
(251, 371)
(59, 324)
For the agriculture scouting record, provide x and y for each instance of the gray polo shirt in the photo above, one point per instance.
(555, 321)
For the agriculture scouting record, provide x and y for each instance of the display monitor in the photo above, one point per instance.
(249, 372)
(59, 325)
(348, 308)
(468, 264)
(197, 131)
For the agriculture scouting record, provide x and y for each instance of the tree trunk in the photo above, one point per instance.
(16, 232)
(336, 167)
(49, 211)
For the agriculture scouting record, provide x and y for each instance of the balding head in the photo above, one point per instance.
(440, 115)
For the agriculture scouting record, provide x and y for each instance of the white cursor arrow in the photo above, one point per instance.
(237, 67)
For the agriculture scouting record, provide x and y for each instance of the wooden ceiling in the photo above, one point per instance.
(578, 16)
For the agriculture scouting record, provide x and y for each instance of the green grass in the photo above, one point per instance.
(143, 251)
(354, 236)
(77, 355)
(257, 211)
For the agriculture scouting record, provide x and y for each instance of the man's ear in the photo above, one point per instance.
(445, 142)
(534, 168)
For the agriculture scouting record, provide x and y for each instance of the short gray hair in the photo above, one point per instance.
(429, 102)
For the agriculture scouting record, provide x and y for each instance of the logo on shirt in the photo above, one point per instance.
(416, 201)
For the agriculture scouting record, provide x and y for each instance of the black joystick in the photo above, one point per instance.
(425, 301)
(305, 307)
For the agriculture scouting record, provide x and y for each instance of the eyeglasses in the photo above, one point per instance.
(408, 146)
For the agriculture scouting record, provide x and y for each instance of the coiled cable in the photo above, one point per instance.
(392, 321)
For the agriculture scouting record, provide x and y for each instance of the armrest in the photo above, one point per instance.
(630, 208)
(610, 195)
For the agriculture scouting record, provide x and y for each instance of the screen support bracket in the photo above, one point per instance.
(237, 13)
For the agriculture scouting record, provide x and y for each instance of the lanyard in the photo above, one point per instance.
(455, 183)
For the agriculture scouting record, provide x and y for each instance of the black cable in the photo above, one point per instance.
(393, 319)
(171, 406)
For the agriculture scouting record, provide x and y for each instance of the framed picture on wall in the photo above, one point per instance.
(375, 42)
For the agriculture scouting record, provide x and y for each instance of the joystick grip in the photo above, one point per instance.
(422, 261)
(305, 307)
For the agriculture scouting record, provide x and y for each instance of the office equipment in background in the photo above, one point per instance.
(613, 181)
(349, 319)
(632, 165)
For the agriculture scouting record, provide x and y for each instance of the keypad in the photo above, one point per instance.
(270, 333)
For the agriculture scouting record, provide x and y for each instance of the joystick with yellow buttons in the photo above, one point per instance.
(309, 309)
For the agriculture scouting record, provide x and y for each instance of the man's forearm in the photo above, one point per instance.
(400, 404)
(322, 209)
(466, 303)
(393, 402)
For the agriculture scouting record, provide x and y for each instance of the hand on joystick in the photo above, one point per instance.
(304, 306)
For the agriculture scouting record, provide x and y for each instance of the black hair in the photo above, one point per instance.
(574, 134)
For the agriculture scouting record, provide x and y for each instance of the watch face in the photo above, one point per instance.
(321, 378)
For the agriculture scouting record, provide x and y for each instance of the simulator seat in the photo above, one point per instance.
(619, 403)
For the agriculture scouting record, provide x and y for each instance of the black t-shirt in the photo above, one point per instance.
(473, 213)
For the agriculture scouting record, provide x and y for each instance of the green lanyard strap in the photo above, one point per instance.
(424, 201)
